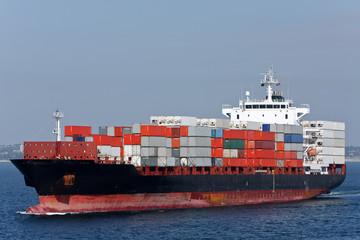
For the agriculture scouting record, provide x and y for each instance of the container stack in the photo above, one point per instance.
(328, 138)
(109, 140)
(195, 146)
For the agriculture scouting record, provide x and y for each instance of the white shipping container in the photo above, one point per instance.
(226, 153)
(168, 142)
(339, 134)
(280, 128)
(185, 121)
(136, 150)
(293, 129)
(136, 161)
(339, 159)
(149, 151)
(339, 126)
(128, 150)
(204, 122)
(279, 137)
(89, 139)
(104, 150)
(324, 133)
(299, 155)
(293, 147)
(136, 128)
(339, 143)
(161, 161)
(219, 123)
(169, 120)
(325, 125)
(199, 132)
(272, 127)
(234, 153)
(171, 161)
(199, 162)
(168, 152)
(162, 151)
(111, 131)
(68, 139)
(256, 126)
(115, 151)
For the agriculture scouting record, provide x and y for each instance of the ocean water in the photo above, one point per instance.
(333, 216)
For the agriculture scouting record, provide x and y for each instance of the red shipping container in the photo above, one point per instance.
(265, 144)
(243, 162)
(212, 152)
(150, 130)
(218, 152)
(280, 146)
(256, 162)
(136, 139)
(116, 141)
(250, 153)
(122, 152)
(280, 155)
(251, 144)
(128, 139)
(219, 142)
(260, 135)
(290, 155)
(250, 162)
(293, 163)
(102, 139)
(234, 134)
(175, 132)
(168, 132)
(175, 143)
(241, 153)
(234, 162)
(226, 161)
(213, 142)
(119, 131)
(250, 135)
(268, 154)
(84, 131)
(183, 131)
(268, 162)
(258, 153)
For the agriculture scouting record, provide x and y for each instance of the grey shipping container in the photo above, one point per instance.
(175, 152)
(149, 151)
(195, 141)
(195, 152)
(136, 128)
(150, 161)
(199, 132)
(147, 141)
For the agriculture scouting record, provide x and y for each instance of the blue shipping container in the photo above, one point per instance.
(293, 138)
(80, 139)
(213, 133)
(219, 133)
(266, 127)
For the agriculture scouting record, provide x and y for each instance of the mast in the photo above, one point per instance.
(268, 81)
(58, 115)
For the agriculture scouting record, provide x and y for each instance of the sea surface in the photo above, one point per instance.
(333, 216)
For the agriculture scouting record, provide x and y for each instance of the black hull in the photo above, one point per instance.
(47, 177)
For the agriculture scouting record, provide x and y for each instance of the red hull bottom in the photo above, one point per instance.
(151, 201)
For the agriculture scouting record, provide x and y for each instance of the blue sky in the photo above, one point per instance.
(118, 62)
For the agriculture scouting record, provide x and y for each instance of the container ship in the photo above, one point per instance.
(261, 152)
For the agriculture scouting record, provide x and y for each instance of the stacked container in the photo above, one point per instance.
(195, 146)
(328, 138)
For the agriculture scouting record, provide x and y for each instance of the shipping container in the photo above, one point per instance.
(234, 134)
(116, 151)
(102, 139)
(149, 151)
(265, 144)
(136, 128)
(199, 132)
(175, 142)
(195, 152)
(233, 144)
(84, 131)
(175, 152)
(151, 130)
(269, 136)
(195, 142)
(293, 138)
(148, 141)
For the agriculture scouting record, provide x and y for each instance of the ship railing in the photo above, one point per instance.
(305, 105)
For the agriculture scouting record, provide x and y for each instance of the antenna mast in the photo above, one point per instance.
(268, 81)
(58, 115)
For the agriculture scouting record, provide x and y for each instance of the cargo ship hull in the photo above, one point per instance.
(76, 186)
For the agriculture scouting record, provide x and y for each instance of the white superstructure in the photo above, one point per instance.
(272, 109)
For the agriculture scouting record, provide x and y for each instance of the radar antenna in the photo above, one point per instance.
(268, 81)
(58, 115)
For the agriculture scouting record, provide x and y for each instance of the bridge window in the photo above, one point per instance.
(255, 106)
(269, 106)
(248, 106)
(276, 106)
(262, 106)
(282, 106)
